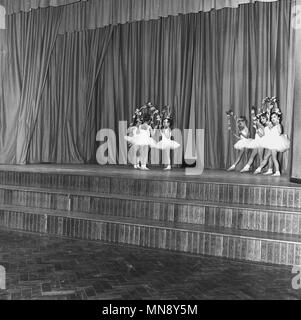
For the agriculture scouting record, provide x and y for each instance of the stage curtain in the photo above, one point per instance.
(65, 130)
(31, 38)
(200, 64)
(99, 13)
(296, 154)
(16, 6)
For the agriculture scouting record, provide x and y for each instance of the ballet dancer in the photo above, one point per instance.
(261, 124)
(166, 144)
(141, 138)
(275, 141)
(133, 131)
(243, 143)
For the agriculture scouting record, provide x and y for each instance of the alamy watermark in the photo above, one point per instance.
(2, 278)
(191, 148)
(296, 281)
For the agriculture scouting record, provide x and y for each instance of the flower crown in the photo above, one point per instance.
(166, 113)
(276, 108)
(268, 106)
(148, 112)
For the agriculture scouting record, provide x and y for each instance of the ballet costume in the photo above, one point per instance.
(130, 139)
(134, 149)
(142, 140)
(244, 142)
(241, 145)
(274, 140)
(166, 144)
(257, 144)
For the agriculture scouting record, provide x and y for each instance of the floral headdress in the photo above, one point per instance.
(166, 114)
(147, 113)
(232, 122)
(276, 108)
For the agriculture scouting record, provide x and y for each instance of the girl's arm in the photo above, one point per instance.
(260, 132)
(279, 128)
(151, 131)
(130, 130)
(244, 133)
(169, 134)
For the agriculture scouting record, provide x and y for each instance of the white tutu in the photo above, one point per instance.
(275, 141)
(141, 139)
(243, 143)
(133, 132)
(129, 139)
(255, 143)
(166, 143)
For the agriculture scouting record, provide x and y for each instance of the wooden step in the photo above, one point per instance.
(235, 216)
(264, 191)
(195, 239)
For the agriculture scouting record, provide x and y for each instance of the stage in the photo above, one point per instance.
(219, 213)
(216, 176)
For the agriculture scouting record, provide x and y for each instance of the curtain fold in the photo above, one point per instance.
(16, 6)
(94, 14)
(31, 38)
(200, 64)
(66, 130)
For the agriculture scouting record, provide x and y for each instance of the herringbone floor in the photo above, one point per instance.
(50, 268)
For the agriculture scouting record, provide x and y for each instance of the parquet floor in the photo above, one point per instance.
(51, 268)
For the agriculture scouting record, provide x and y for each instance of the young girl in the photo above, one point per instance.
(275, 142)
(144, 141)
(262, 129)
(133, 131)
(166, 144)
(141, 140)
(244, 141)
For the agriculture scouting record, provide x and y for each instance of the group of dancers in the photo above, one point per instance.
(146, 120)
(269, 138)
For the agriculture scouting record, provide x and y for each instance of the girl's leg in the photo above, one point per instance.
(137, 154)
(166, 158)
(270, 168)
(144, 157)
(132, 156)
(251, 160)
(260, 153)
(276, 164)
(264, 162)
(240, 154)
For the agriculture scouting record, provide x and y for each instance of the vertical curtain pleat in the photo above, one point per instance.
(68, 108)
(39, 34)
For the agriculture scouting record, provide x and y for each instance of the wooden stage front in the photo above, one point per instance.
(221, 176)
(231, 215)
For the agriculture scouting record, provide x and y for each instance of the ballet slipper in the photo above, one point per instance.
(258, 171)
(268, 173)
(232, 168)
(167, 168)
(277, 174)
(246, 169)
(144, 168)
